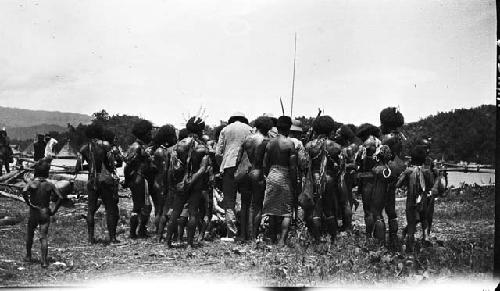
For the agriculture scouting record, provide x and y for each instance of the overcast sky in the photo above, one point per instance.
(160, 59)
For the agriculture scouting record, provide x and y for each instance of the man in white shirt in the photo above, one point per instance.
(49, 147)
(230, 140)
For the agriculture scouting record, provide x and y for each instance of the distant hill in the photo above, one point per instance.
(29, 133)
(15, 117)
(460, 135)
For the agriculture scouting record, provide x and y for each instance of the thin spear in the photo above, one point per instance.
(293, 78)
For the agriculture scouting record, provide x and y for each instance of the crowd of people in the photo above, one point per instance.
(281, 174)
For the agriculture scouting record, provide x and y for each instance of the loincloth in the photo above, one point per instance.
(278, 197)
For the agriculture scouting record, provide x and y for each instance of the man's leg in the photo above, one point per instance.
(138, 197)
(330, 206)
(246, 199)
(411, 226)
(390, 210)
(366, 186)
(181, 226)
(110, 201)
(92, 207)
(258, 190)
(229, 191)
(177, 207)
(274, 227)
(30, 232)
(145, 212)
(163, 219)
(377, 206)
(205, 211)
(157, 197)
(345, 202)
(44, 230)
(315, 222)
(193, 206)
(285, 224)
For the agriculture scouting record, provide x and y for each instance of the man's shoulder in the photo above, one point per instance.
(237, 126)
(309, 144)
(332, 145)
(134, 145)
(185, 141)
(255, 137)
(84, 148)
(160, 151)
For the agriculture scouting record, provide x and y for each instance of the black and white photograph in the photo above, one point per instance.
(248, 144)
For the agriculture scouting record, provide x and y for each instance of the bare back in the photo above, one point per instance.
(255, 147)
(279, 151)
(318, 147)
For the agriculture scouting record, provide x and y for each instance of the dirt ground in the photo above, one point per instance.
(461, 246)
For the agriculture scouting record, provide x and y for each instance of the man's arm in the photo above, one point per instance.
(293, 166)
(220, 147)
(402, 180)
(59, 196)
(241, 150)
(26, 194)
(267, 159)
(118, 157)
(202, 170)
(80, 158)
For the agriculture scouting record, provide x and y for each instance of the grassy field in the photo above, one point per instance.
(461, 246)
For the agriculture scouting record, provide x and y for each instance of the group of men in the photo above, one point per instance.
(44, 146)
(268, 164)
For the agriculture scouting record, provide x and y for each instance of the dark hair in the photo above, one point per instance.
(241, 119)
(353, 128)
(92, 130)
(183, 133)
(166, 134)
(108, 135)
(390, 119)
(367, 129)
(344, 135)
(275, 121)
(346, 132)
(141, 129)
(284, 123)
(42, 168)
(418, 154)
(195, 125)
(263, 124)
(323, 124)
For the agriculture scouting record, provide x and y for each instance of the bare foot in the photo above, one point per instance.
(114, 241)
(28, 259)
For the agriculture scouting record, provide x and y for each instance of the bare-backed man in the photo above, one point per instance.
(325, 167)
(280, 169)
(138, 177)
(188, 171)
(101, 182)
(254, 147)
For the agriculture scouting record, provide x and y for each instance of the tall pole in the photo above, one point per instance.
(293, 78)
(496, 251)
